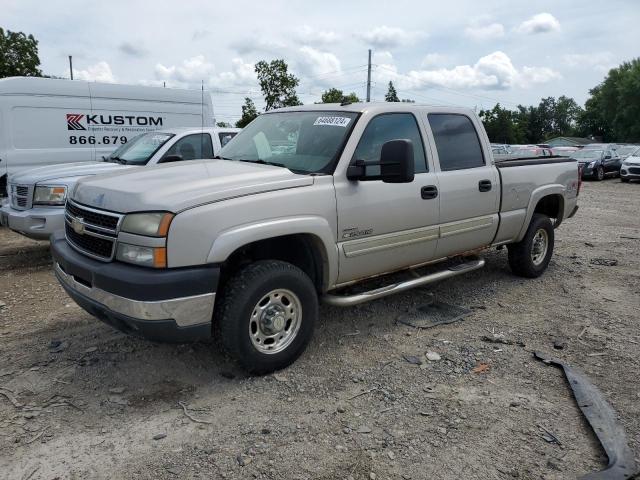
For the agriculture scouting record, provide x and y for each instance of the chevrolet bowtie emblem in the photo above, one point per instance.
(78, 225)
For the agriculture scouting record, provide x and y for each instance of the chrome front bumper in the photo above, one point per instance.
(185, 311)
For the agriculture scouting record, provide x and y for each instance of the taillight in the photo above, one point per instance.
(579, 179)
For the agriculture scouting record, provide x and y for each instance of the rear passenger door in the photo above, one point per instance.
(469, 185)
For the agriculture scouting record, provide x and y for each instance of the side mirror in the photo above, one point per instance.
(170, 158)
(396, 162)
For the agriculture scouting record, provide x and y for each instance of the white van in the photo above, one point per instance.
(46, 121)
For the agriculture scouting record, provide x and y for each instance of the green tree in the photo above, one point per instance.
(499, 124)
(334, 95)
(223, 124)
(18, 55)
(613, 110)
(277, 84)
(249, 112)
(392, 95)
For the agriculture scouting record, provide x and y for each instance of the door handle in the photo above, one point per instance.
(484, 185)
(429, 192)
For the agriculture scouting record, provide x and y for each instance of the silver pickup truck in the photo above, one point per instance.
(35, 207)
(304, 202)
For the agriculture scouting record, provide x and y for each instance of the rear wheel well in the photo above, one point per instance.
(552, 206)
(305, 251)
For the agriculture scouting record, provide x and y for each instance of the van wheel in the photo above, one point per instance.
(530, 257)
(266, 315)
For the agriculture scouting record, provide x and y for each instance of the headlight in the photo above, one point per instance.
(592, 164)
(154, 224)
(155, 257)
(49, 195)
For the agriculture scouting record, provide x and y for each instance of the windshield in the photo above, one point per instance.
(587, 154)
(140, 149)
(304, 142)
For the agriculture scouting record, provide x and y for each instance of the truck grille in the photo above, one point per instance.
(21, 196)
(91, 232)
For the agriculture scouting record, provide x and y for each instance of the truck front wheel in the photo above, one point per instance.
(266, 315)
(530, 257)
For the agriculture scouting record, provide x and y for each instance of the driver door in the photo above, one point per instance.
(385, 226)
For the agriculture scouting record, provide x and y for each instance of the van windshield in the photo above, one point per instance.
(140, 149)
(303, 142)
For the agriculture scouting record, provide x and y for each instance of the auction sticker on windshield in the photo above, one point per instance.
(334, 121)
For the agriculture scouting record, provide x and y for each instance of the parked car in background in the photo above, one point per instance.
(564, 151)
(45, 121)
(304, 201)
(597, 163)
(627, 151)
(630, 169)
(602, 146)
(36, 197)
(520, 151)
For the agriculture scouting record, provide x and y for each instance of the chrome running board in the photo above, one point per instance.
(349, 300)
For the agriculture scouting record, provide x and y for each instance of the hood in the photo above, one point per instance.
(632, 161)
(177, 186)
(63, 170)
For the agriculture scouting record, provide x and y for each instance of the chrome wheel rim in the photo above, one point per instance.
(539, 246)
(275, 321)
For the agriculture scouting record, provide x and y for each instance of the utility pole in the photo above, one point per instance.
(71, 66)
(369, 78)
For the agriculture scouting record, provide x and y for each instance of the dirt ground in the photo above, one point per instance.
(80, 400)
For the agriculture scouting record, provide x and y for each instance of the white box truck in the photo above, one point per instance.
(46, 121)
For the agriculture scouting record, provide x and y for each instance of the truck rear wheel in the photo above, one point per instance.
(266, 315)
(530, 257)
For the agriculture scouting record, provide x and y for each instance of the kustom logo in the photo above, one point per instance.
(73, 121)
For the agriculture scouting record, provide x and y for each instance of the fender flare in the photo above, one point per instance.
(537, 195)
(238, 236)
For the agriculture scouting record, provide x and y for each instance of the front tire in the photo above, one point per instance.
(530, 257)
(266, 315)
(624, 180)
(600, 174)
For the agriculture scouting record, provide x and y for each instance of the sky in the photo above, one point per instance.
(460, 52)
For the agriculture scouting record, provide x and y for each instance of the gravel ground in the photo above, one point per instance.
(81, 400)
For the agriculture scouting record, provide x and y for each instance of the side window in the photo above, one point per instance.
(225, 137)
(192, 147)
(456, 140)
(390, 126)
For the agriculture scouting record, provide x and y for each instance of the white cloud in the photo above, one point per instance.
(601, 61)
(433, 60)
(487, 31)
(314, 62)
(133, 50)
(540, 23)
(310, 36)
(252, 43)
(390, 37)
(100, 72)
(198, 69)
(491, 72)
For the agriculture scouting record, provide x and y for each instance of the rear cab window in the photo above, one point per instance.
(457, 141)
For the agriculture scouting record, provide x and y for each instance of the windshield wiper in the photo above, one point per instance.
(218, 157)
(264, 162)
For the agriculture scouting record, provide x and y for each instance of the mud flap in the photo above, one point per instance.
(602, 419)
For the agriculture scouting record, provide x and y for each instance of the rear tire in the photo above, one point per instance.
(530, 257)
(266, 315)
